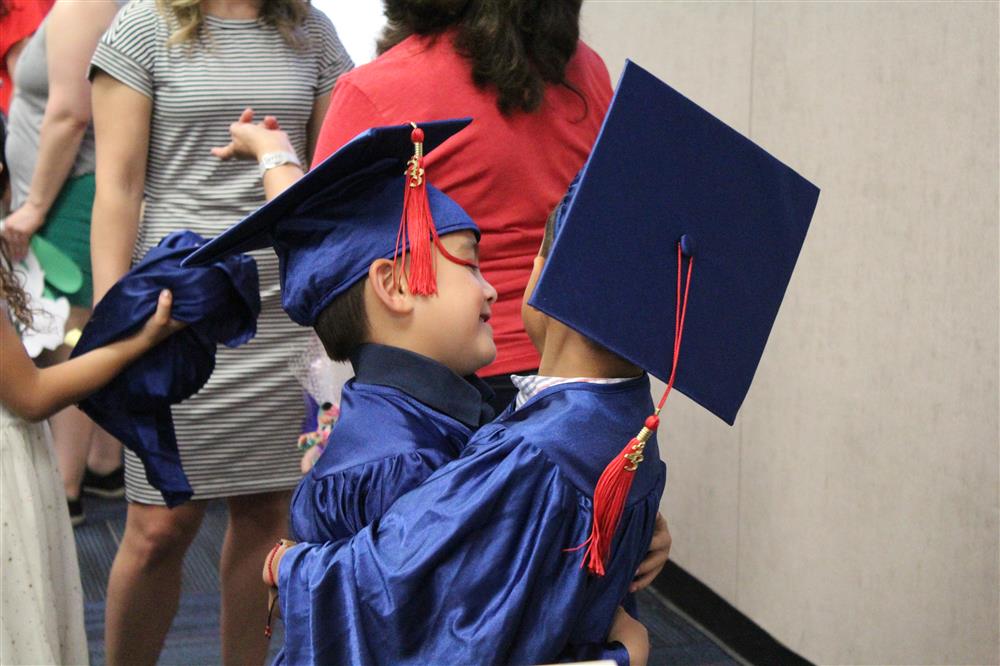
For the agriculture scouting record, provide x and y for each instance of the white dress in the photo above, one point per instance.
(41, 599)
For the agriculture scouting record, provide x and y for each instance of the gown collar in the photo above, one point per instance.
(464, 399)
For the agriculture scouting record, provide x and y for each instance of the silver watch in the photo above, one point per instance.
(270, 160)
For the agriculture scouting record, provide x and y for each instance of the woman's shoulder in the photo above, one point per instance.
(141, 11)
(586, 63)
(415, 57)
(137, 19)
(317, 22)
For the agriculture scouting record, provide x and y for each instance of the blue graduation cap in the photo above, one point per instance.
(677, 224)
(219, 302)
(369, 200)
(663, 169)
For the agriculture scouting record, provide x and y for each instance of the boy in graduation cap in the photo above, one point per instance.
(526, 543)
(384, 267)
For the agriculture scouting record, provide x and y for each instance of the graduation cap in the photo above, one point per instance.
(369, 200)
(219, 302)
(668, 186)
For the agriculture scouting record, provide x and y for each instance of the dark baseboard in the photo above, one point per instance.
(734, 629)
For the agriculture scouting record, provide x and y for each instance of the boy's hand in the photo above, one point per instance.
(250, 140)
(632, 634)
(160, 326)
(656, 558)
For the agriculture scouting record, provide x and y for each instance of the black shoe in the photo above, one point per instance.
(76, 516)
(109, 486)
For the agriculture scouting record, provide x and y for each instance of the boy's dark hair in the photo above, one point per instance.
(343, 326)
(550, 234)
(517, 46)
(543, 251)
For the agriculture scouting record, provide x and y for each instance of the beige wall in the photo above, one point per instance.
(853, 510)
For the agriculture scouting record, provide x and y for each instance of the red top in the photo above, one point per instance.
(22, 19)
(508, 173)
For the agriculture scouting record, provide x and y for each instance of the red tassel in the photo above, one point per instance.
(613, 487)
(416, 228)
(610, 495)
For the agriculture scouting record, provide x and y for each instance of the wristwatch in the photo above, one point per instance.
(270, 160)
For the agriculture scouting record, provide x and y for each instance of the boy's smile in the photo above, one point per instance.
(454, 324)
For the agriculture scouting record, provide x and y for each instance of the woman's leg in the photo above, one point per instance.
(256, 522)
(145, 583)
(105, 455)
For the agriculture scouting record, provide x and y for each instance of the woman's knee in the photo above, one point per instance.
(155, 534)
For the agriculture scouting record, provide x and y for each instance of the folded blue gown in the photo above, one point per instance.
(219, 302)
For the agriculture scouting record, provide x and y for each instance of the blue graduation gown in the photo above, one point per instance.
(472, 567)
(401, 417)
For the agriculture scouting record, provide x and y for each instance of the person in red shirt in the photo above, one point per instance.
(537, 97)
(18, 21)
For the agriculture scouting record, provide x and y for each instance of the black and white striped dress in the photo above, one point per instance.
(237, 436)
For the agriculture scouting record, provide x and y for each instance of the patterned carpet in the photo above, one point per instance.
(193, 638)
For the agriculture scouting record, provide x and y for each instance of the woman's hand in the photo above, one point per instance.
(160, 326)
(632, 634)
(19, 227)
(252, 140)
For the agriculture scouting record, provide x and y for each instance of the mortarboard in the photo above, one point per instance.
(369, 200)
(220, 302)
(667, 185)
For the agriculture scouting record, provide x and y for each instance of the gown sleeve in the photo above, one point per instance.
(470, 567)
(341, 504)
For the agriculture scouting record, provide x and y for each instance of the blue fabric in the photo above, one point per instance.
(472, 567)
(220, 302)
(329, 226)
(663, 167)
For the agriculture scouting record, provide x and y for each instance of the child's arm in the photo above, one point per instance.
(34, 393)
(632, 634)
(251, 141)
(656, 557)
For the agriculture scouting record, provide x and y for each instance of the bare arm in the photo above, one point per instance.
(34, 393)
(72, 32)
(253, 140)
(633, 635)
(121, 127)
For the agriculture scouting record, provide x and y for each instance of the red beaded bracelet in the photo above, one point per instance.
(270, 561)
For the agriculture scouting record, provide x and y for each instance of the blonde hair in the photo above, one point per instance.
(285, 15)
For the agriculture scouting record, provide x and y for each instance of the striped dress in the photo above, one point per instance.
(237, 436)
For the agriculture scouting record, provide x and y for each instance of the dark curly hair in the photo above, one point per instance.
(517, 46)
(11, 290)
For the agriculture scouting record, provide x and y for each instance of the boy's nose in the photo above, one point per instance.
(491, 293)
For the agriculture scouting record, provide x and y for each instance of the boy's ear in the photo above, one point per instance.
(536, 271)
(389, 290)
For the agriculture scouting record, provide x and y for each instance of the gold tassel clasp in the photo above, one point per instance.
(413, 168)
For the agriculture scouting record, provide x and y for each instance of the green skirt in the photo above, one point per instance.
(67, 226)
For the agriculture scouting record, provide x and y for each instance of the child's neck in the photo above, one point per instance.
(566, 353)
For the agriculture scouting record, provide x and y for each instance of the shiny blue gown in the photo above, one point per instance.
(401, 417)
(472, 566)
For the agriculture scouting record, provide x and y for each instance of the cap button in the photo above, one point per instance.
(687, 245)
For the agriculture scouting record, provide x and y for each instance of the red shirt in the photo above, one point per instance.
(22, 19)
(508, 173)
